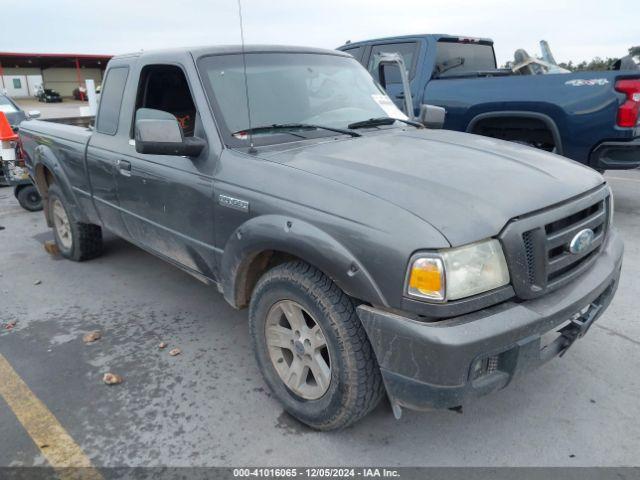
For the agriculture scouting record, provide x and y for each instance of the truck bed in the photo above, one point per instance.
(73, 130)
(77, 121)
(583, 105)
(60, 140)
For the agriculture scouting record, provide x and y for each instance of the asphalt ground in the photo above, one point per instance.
(209, 406)
(67, 108)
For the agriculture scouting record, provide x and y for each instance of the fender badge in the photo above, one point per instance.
(235, 203)
(581, 82)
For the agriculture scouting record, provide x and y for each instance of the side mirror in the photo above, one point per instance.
(432, 116)
(33, 114)
(159, 133)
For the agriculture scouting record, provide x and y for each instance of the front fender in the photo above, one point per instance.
(298, 238)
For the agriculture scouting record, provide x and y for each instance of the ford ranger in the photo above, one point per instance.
(590, 117)
(375, 256)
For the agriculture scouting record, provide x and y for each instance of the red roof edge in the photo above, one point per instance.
(55, 55)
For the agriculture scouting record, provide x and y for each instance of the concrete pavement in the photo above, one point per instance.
(209, 405)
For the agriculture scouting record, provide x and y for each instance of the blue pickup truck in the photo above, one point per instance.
(590, 117)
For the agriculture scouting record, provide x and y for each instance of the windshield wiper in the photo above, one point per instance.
(293, 126)
(379, 121)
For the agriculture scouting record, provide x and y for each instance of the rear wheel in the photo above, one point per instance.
(29, 198)
(311, 347)
(76, 240)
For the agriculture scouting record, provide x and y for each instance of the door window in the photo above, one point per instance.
(392, 74)
(165, 87)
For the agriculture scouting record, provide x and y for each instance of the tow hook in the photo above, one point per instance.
(579, 326)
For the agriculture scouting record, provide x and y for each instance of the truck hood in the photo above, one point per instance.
(466, 186)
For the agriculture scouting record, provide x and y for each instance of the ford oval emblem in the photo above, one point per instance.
(581, 241)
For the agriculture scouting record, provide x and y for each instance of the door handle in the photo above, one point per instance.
(124, 167)
(400, 96)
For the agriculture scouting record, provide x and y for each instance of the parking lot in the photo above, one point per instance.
(67, 108)
(209, 405)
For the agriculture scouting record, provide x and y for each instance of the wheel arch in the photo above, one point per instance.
(47, 170)
(520, 114)
(266, 241)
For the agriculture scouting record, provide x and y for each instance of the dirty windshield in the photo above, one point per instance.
(290, 88)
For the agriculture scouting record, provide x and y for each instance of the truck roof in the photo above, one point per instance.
(202, 51)
(435, 36)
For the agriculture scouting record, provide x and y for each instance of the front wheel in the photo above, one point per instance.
(311, 347)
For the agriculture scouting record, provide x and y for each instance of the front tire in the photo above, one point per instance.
(311, 347)
(76, 240)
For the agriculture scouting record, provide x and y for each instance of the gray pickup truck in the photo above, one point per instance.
(376, 256)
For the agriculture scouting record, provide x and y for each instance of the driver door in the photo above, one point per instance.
(167, 200)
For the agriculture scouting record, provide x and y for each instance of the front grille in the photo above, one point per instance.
(560, 262)
(537, 245)
(529, 251)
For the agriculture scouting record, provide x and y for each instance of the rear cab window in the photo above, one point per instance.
(459, 57)
(111, 100)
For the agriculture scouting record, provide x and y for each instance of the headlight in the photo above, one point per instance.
(457, 273)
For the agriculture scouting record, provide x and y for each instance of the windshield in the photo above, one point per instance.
(291, 88)
(7, 106)
(455, 58)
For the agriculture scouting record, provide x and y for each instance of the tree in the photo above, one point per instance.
(595, 64)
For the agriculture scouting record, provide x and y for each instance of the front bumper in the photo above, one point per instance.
(616, 155)
(442, 364)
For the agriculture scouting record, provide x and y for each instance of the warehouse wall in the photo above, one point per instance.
(19, 74)
(21, 71)
(63, 80)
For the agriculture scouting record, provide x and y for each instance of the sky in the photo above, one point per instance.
(576, 30)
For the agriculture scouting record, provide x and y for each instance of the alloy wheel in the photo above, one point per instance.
(62, 224)
(298, 349)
